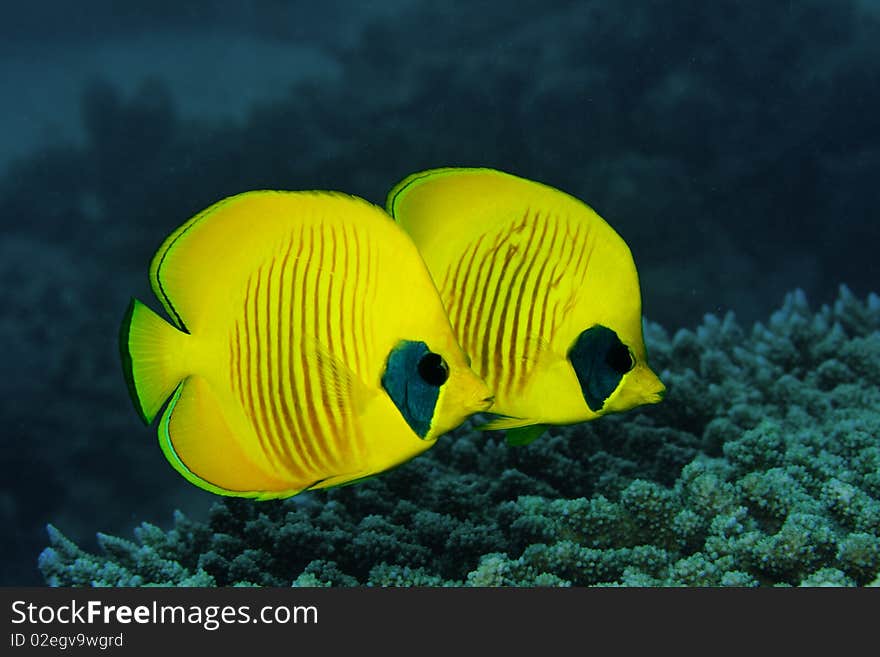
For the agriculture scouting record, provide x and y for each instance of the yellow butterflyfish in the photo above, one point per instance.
(309, 346)
(542, 293)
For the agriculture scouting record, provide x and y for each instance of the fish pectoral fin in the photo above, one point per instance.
(520, 431)
(506, 422)
(346, 479)
(199, 443)
(541, 356)
(348, 392)
(543, 352)
(520, 436)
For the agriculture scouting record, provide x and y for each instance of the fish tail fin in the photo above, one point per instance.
(151, 351)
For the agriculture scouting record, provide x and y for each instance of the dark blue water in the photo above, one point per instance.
(734, 145)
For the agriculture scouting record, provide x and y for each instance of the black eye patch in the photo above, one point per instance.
(599, 360)
(413, 376)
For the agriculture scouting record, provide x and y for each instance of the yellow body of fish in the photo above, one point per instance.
(542, 293)
(311, 348)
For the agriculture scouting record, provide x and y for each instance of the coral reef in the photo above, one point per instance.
(762, 467)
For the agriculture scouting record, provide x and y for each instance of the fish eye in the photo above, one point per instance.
(433, 369)
(619, 359)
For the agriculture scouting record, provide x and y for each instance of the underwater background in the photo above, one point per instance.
(735, 145)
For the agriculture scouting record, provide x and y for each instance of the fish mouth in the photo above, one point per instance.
(486, 403)
(657, 396)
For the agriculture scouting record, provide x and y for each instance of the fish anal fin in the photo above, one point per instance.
(198, 442)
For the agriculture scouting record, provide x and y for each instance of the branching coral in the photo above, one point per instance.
(761, 467)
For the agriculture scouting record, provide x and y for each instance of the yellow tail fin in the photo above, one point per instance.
(152, 362)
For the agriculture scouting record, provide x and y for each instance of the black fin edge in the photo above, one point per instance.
(125, 358)
(414, 178)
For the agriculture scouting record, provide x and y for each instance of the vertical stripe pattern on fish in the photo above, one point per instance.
(311, 348)
(542, 293)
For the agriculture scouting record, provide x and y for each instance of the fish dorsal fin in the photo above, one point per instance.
(441, 200)
(200, 266)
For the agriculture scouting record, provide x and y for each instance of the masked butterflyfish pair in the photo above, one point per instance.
(315, 341)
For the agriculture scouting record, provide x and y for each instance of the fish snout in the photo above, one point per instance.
(658, 393)
(653, 390)
(480, 396)
(486, 403)
(473, 394)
